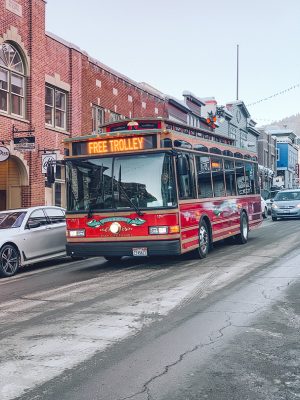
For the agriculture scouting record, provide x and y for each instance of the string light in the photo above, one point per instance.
(274, 95)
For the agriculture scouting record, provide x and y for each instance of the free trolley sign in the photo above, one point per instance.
(26, 143)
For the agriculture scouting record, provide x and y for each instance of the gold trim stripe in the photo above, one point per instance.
(191, 239)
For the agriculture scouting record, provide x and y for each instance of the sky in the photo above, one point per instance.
(176, 45)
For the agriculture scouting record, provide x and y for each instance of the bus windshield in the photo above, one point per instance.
(120, 182)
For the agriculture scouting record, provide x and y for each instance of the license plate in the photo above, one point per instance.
(140, 251)
(286, 211)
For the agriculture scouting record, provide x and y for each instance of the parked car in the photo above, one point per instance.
(264, 208)
(286, 204)
(269, 198)
(29, 236)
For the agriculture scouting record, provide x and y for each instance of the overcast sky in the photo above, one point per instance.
(177, 45)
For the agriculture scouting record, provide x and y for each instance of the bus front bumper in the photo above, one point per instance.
(119, 249)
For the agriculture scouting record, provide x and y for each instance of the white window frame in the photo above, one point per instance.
(8, 67)
(54, 109)
(97, 122)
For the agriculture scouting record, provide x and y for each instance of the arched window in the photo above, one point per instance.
(12, 81)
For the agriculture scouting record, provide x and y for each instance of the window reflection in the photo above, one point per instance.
(145, 181)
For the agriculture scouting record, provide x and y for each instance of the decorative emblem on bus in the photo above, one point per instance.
(134, 222)
(227, 206)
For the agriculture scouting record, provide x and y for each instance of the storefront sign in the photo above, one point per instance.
(4, 153)
(48, 159)
(14, 7)
(26, 143)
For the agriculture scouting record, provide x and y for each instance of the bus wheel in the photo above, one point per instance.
(242, 237)
(112, 258)
(203, 248)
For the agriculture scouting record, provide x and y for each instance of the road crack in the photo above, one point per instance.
(181, 357)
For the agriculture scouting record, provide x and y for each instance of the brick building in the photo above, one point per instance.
(50, 89)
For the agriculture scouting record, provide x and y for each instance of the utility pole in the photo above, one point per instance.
(237, 72)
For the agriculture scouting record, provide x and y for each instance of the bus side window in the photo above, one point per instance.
(256, 180)
(185, 177)
(218, 176)
(204, 177)
(250, 178)
(230, 178)
(241, 182)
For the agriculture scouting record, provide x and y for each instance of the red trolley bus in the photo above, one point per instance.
(156, 187)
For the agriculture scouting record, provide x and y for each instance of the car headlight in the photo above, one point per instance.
(298, 205)
(274, 205)
(76, 232)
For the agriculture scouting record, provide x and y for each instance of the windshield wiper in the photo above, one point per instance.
(138, 211)
(90, 211)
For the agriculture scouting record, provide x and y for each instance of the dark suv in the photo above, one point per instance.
(286, 204)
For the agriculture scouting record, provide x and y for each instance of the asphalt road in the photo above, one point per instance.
(222, 328)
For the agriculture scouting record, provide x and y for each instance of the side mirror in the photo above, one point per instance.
(271, 201)
(182, 165)
(33, 224)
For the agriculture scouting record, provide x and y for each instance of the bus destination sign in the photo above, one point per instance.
(114, 145)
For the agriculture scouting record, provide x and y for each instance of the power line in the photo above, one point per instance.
(275, 95)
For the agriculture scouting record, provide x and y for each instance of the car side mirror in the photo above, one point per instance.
(33, 224)
(271, 201)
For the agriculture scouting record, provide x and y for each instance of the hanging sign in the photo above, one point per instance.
(4, 153)
(26, 143)
(48, 159)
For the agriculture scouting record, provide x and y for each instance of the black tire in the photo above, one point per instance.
(9, 260)
(204, 241)
(274, 218)
(265, 213)
(242, 237)
(112, 258)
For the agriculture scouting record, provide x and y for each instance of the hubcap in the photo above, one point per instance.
(9, 260)
(203, 239)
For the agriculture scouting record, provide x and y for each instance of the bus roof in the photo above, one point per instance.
(181, 136)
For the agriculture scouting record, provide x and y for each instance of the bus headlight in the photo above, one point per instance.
(158, 230)
(76, 232)
(163, 230)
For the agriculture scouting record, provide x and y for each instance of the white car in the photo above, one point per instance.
(264, 208)
(30, 235)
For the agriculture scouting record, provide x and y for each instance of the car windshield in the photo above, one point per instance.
(287, 196)
(121, 182)
(11, 219)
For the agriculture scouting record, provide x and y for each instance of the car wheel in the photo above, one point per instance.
(112, 258)
(204, 241)
(242, 237)
(265, 213)
(9, 260)
(274, 218)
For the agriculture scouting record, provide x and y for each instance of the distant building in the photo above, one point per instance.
(234, 121)
(267, 161)
(287, 157)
